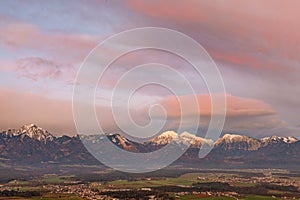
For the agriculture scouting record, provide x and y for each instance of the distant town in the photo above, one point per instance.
(184, 184)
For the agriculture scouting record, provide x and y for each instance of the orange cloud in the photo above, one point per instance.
(236, 106)
(19, 108)
(244, 115)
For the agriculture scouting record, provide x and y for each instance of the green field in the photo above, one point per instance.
(183, 180)
(255, 197)
(193, 197)
(40, 186)
(46, 197)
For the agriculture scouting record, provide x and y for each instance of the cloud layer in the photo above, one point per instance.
(255, 45)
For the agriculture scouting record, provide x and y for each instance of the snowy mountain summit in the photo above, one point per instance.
(32, 131)
(184, 138)
(277, 139)
(233, 141)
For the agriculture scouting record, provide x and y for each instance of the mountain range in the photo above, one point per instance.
(32, 145)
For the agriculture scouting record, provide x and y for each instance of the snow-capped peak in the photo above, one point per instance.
(194, 140)
(233, 141)
(35, 132)
(168, 134)
(232, 136)
(290, 139)
(278, 139)
(166, 138)
(183, 138)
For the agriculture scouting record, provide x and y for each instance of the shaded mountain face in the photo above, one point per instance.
(243, 151)
(32, 145)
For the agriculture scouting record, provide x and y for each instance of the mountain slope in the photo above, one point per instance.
(31, 131)
(32, 145)
(238, 142)
(277, 139)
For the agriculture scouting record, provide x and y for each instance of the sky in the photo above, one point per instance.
(255, 45)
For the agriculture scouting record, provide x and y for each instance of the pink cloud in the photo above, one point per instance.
(183, 12)
(257, 15)
(243, 60)
(36, 68)
(16, 35)
(7, 65)
(247, 29)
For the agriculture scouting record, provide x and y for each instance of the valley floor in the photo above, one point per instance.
(171, 183)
